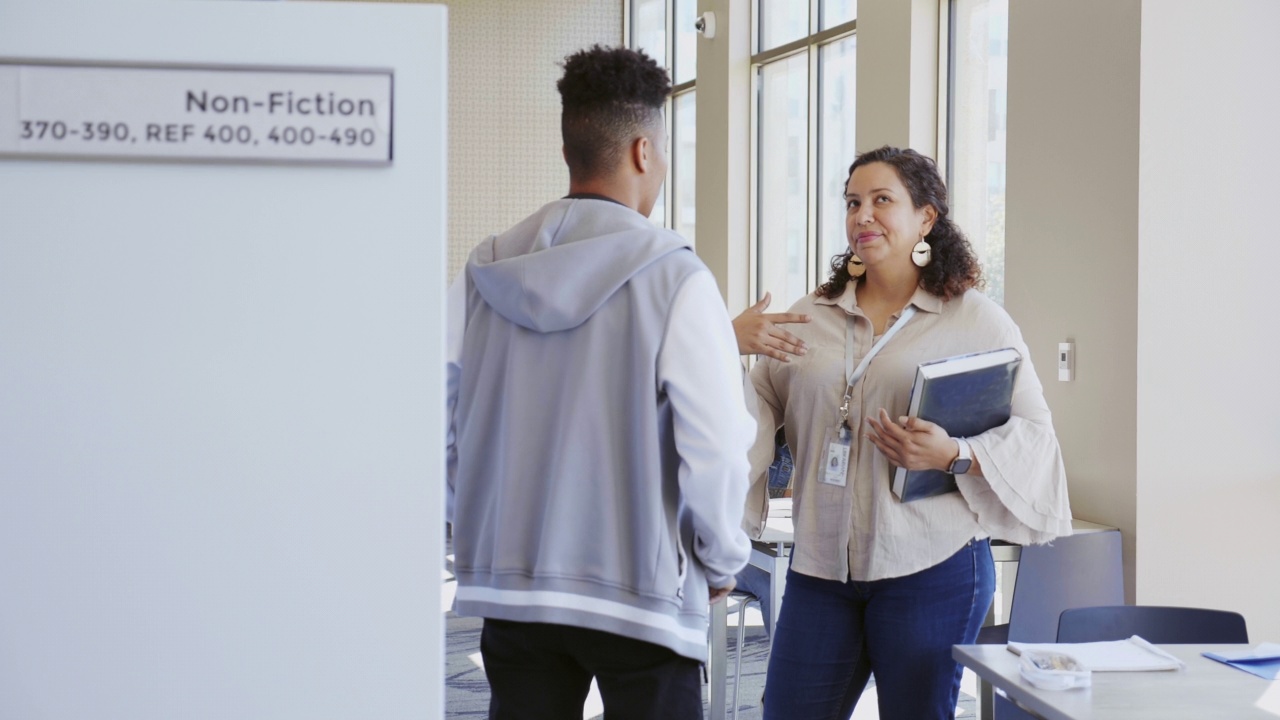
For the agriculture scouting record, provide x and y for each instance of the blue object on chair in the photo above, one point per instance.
(783, 466)
(1079, 570)
(1160, 625)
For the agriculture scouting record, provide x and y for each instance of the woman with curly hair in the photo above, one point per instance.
(876, 585)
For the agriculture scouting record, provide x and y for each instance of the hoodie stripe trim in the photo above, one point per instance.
(569, 601)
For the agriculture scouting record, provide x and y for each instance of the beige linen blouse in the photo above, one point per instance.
(862, 531)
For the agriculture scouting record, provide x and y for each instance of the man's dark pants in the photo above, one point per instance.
(539, 671)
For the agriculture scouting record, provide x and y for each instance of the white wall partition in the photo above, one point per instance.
(221, 391)
(1209, 341)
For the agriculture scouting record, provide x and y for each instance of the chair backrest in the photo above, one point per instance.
(1162, 625)
(1081, 570)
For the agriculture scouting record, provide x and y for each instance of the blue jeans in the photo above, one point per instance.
(831, 636)
(756, 581)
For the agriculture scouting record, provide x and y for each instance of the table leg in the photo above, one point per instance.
(986, 700)
(777, 583)
(718, 664)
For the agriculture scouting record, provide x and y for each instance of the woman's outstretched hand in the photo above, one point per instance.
(760, 333)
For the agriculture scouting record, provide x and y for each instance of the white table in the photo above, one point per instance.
(1205, 689)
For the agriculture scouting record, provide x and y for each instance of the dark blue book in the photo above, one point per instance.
(966, 395)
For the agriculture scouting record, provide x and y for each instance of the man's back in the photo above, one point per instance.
(568, 467)
(598, 433)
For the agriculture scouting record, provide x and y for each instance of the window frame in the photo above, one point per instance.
(669, 189)
(812, 44)
(948, 143)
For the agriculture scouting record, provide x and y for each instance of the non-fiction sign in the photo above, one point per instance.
(186, 113)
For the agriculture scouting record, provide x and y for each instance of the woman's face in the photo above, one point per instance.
(881, 223)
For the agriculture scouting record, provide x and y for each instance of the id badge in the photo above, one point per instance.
(836, 468)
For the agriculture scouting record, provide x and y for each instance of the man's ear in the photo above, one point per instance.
(641, 154)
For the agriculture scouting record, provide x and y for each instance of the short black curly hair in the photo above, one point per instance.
(954, 267)
(608, 97)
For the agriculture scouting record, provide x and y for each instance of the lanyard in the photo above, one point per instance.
(855, 374)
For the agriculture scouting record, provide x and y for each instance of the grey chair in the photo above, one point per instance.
(1080, 570)
(1161, 625)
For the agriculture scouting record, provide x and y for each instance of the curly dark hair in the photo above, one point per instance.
(954, 267)
(608, 96)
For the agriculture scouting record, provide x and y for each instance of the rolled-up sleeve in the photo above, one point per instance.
(1023, 494)
(765, 406)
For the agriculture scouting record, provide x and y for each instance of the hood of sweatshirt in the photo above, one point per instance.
(554, 269)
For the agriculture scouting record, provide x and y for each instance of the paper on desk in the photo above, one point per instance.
(780, 507)
(1134, 654)
(1263, 660)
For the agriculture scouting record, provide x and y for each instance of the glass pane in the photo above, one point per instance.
(649, 28)
(979, 57)
(835, 12)
(782, 254)
(781, 21)
(659, 215)
(682, 164)
(836, 150)
(686, 44)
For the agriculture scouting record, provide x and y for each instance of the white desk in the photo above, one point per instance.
(1205, 689)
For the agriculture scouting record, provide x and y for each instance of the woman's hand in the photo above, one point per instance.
(913, 443)
(759, 333)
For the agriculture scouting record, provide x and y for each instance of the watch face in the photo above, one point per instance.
(960, 466)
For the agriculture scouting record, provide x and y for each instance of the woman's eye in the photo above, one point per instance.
(882, 199)
(851, 204)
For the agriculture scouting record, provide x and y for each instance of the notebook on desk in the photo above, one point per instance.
(1263, 660)
(1134, 654)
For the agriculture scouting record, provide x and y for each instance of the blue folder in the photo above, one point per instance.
(1263, 661)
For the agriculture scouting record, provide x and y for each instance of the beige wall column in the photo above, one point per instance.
(723, 182)
(1071, 244)
(898, 74)
(1141, 186)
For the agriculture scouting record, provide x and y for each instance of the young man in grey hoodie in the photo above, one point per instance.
(598, 433)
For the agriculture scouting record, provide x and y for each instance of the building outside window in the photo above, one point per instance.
(978, 105)
(664, 29)
(804, 60)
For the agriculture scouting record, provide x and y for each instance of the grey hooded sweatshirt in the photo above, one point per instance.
(567, 503)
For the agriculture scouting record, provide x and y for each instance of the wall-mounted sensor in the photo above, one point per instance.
(706, 25)
(1066, 361)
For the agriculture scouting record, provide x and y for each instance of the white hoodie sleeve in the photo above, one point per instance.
(699, 369)
(455, 324)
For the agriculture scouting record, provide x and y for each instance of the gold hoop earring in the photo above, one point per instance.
(855, 266)
(921, 254)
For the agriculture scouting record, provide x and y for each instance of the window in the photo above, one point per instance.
(978, 107)
(664, 30)
(805, 85)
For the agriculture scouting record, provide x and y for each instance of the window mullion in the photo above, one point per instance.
(812, 184)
